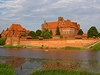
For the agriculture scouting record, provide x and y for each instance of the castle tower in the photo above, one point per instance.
(60, 19)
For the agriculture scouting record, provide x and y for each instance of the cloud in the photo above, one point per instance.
(32, 13)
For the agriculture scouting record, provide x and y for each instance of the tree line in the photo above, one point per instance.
(92, 32)
(46, 34)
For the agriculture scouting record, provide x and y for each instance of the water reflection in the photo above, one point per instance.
(26, 61)
(16, 62)
(25, 66)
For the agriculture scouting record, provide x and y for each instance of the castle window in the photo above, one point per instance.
(13, 32)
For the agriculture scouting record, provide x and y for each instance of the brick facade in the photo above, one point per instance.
(13, 34)
(67, 28)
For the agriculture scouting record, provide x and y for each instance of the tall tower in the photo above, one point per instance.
(60, 19)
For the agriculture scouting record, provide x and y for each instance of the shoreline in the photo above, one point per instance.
(43, 47)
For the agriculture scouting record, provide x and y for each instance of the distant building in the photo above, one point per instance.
(14, 33)
(67, 28)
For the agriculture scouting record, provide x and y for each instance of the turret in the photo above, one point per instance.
(60, 19)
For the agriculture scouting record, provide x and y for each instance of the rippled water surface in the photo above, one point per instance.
(26, 61)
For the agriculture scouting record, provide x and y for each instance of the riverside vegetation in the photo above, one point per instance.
(95, 47)
(6, 69)
(61, 72)
(43, 47)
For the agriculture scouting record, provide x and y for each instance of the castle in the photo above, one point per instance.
(14, 33)
(67, 28)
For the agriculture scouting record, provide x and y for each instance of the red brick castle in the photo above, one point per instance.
(14, 33)
(67, 28)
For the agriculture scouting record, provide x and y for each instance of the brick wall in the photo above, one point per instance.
(58, 43)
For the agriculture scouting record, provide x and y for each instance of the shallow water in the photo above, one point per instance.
(26, 61)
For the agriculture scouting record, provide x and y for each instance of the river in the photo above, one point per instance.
(26, 61)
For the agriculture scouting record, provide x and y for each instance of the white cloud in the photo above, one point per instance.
(34, 12)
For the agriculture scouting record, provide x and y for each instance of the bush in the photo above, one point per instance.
(23, 34)
(6, 69)
(38, 32)
(57, 31)
(61, 36)
(72, 48)
(2, 41)
(80, 32)
(46, 34)
(32, 34)
(92, 32)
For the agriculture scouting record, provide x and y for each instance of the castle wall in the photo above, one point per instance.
(58, 43)
(13, 40)
(8, 40)
(68, 32)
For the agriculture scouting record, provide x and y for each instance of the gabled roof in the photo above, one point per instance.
(62, 24)
(14, 30)
(16, 27)
(54, 24)
(3, 33)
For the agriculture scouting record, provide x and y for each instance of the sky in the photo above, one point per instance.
(32, 13)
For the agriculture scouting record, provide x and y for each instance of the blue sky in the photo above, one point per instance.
(32, 13)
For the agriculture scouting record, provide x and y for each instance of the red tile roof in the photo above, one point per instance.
(16, 26)
(54, 24)
(62, 24)
(3, 33)
(14, 30)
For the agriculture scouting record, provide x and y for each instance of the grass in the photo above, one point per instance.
(6, 69)
(11, 46)
(95, 47)
(60, 72)
(43, 47)
(24, 46)
(73, 48)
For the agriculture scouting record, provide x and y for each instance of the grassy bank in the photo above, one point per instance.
(43, 47)
(73, 48)
(95, 47)
(6, 69)
(61, 72)
(22, 46)
(11, 46)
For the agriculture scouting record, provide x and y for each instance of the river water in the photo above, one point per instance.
(26, 61)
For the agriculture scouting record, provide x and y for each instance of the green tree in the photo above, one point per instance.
(80, 32)
(98, 34)
(46, 34)
(23, 34)
(32, 34)
(0, 35)
(2, 41)
(51, 32)
(57, 31)
(92, 32)
(38, 32)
